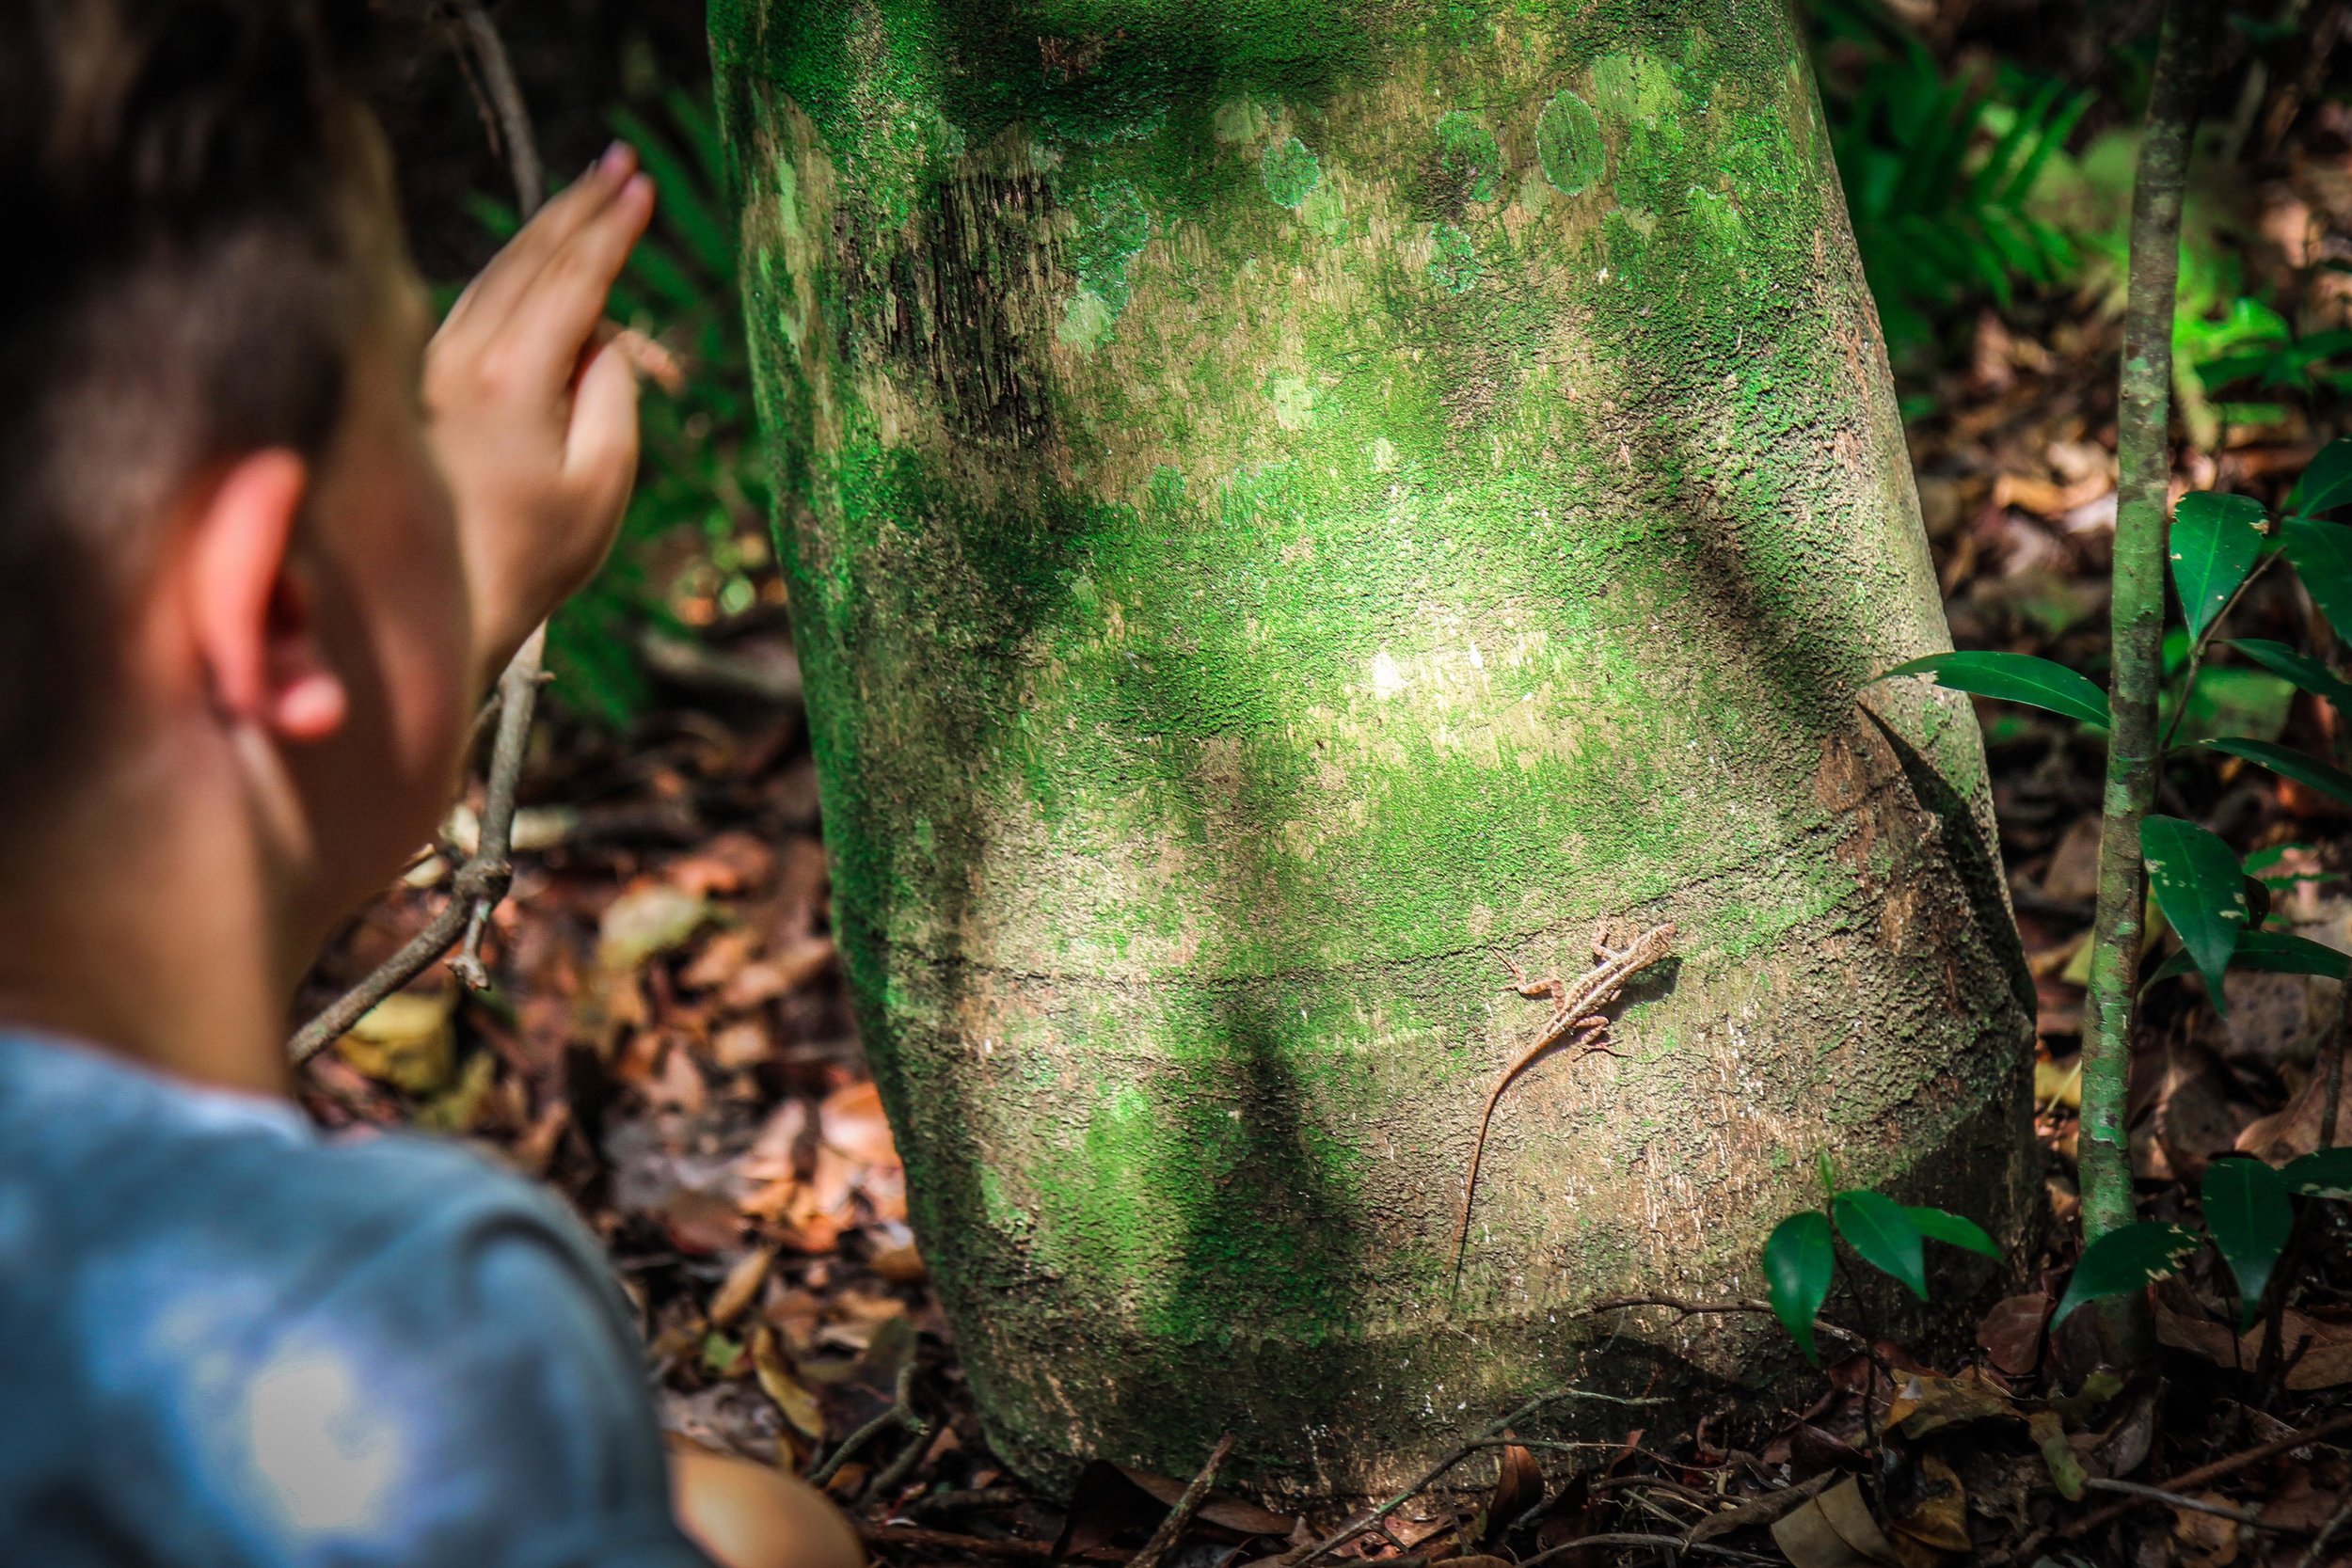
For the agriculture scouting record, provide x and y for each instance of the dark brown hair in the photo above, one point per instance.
(178, 285)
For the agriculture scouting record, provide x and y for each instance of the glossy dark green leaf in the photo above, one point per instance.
(1942, 1225)
(2125, 1260)
(2269, 953)
(2015, 678)
(2248, 1216)
(2327, 481)
(2321, 554)
(2324, 1174)
(2309, 673)
(1798, 1260)
(2200, 888)
(1883, 1233)
(2215, 541)
(2311, 772)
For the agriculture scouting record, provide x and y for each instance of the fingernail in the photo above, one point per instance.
(616, 158)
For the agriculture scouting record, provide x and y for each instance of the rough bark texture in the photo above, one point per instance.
(1286, 504)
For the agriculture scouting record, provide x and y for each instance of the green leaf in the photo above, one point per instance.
(2334, 783)
(2309, 673)
(2326, 481)
(2269, 953)
(1798, 1259)
(2321, 554)
(2015, 678)
(2324, 1174)
(2200, 888)
(2216, 541)
(2125, 1260)
(2226, 700)
(2248, 1216)
(1879, 1228)
(1941, 1225)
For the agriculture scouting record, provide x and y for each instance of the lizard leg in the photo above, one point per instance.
(1550, 984)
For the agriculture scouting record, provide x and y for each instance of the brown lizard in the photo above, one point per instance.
(1576, 1013)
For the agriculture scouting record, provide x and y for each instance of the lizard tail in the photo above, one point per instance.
(1469, 1188)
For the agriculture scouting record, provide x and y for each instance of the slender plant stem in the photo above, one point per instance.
(483, 881)
(2197, 656)
(2145, 471)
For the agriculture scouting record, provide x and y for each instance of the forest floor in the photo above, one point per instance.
(668, 1044)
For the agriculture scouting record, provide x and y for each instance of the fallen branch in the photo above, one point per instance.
(2213, 1471)
(490, 871)
(1300, 1557)
(1765, 1509)
(1172, 1529)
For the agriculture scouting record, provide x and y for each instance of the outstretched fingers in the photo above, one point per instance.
(493, 295)
(553, 323)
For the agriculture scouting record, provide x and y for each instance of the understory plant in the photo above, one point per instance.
(2220, 545)
(1801, 1257)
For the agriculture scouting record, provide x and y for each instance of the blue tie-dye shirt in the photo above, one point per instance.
(225, 1341)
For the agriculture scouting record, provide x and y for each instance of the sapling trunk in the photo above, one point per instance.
(2144, 461)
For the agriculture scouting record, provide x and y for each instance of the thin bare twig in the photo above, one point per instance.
(506, 98)
(902, 1413)
(2327, 1533)
(1669, 1544)
(1300, 1557)
(2174, 1499)
(490, 871)
(1697, 1309)
(1172, 1529)
(971, 1545)
(2213, 1471)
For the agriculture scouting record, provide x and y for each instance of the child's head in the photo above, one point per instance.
(217, 509)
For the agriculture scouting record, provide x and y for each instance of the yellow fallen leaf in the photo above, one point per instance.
(406, 1040)
(793, 1399)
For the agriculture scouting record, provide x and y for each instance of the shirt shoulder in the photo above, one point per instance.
(386, 1351)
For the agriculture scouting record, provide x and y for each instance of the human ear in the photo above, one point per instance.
(253, 608)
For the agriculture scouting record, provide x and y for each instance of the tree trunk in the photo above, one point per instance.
(1289, 505)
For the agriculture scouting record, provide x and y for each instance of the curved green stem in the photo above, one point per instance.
(2197, 657)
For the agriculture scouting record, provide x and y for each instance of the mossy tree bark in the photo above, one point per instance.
(1286, 505)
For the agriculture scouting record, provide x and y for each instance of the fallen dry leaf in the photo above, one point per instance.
(850, 1121)
(1518, 1487)
(647, 920)
(2205, 1539)
(2011, 1333)
(728, 863)
(1930, 1524)
(765, 979)
(776, 1379)
(721, 958)
(741, 1285)
(409, 1039)
(897, 1261)
(1927, 1403)
(2322, 1349)
(741, 1045)
(2294, 1129)
(1833, 1530)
